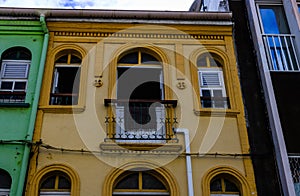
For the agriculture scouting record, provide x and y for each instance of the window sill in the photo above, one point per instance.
(216, 112)
(113, 147)
(15, 105)
(65, 109)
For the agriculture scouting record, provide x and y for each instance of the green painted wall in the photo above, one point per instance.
(16, 121)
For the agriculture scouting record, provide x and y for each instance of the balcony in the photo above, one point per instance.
(281, 52)
(141, 121)
(295, 170)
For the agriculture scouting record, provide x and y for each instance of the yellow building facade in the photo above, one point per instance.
(140, 103)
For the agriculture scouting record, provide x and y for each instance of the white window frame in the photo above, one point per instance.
(56, 74)
(15, 79)
(56, 77)
(211, 88)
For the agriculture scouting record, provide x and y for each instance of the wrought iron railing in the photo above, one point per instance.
(295, 167)
(214, 102)
(281, 52)
(63, 99)
(141, 121)
(294, 161)
(12, 97)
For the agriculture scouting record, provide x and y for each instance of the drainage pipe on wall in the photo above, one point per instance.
(189, 173)
(34, 107)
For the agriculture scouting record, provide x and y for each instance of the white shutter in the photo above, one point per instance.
(210, 79)
(4, 192)
(15, 70)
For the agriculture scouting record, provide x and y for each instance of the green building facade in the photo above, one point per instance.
(23, 46)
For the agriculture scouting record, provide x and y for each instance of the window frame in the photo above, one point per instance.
(14, 79)
(52, 55)
(223, 187)
(209, 67)
(140, 189)
(159, 63)
(56, 190)
(13, 87)
(55, 78)
(212, 88)
(260, 19)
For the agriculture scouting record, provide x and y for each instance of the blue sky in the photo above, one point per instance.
(175, 5)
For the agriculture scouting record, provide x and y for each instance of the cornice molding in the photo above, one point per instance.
(139, 35)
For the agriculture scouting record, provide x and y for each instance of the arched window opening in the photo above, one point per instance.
(66, 78)
(55, 183)
(140, 108)
(15, 63)
(211, 81)
(140, 76)
(5, 182)
(140, 183)
(222, 186)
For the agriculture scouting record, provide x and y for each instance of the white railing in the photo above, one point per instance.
(281, 52)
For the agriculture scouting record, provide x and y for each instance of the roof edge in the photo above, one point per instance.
(114, 14)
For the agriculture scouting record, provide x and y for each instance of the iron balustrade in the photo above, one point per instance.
(214, 102)
(281, 52)
(12, 97)
(63, 98)
(141, 121)
(294, 161)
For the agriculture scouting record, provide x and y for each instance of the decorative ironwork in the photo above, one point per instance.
(63, 98)
(12, 97)
(215, 102)
(147, 121)
(295, 168)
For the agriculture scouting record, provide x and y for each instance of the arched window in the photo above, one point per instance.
(5, 182)
(140, 183)
(140, 76)
(211, 81)
(15, 63)
(55, 183)
(222, 186)
(140, 113)
(66, 78)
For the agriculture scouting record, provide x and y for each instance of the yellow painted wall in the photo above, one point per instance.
(82, 127)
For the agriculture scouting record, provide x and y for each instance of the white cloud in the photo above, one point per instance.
(176, 5)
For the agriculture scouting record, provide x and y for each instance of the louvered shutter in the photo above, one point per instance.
(210, 79)
(15, 70)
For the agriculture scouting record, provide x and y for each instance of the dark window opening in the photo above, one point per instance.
(5, 179)
(140, 183)
(55, 183)
(66, 80)
(141, 87)
(17, 53)
(223, 186)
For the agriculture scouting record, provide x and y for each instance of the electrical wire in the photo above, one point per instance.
(197, 154)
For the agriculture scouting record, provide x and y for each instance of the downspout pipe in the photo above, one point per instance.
(34, 108)
(189, 172)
